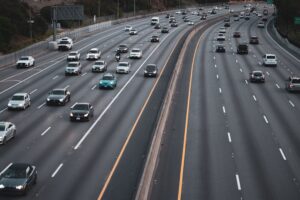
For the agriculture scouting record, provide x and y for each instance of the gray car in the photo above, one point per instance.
(19, 101)
(73, 68)
(7, 131)
(58, 97)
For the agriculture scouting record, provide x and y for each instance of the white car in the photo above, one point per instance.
(73, 68)
(73, 56)
(270, 60)
(99, 66)
(93, 54)
(178, 12)
(65, 43)
(136, 53)
(221, 37)
(236, 18)
(7, 131)
(259, 15)
(261, 25)
(19, 101)
(123, 68)
(25, 61)
(128, 28)
(222, 30)
(191, 23)
(133, 32)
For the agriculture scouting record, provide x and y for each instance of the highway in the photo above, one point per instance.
(225, 138)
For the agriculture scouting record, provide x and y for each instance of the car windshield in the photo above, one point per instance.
(93, 51)
(123, 64)
(81, 107)
(257, 73)
(72, 65)
(108, 78)
(136, 50)
(151, 67)
(58, 92)
(270, 57)
(17, 97)
(14, 173)
(99, 63)
(64, 42)
(2, 128)
(24, 58)
(122, 46)
(73, 54)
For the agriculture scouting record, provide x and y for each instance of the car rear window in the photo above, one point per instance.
(2, 128)
(295, 80)
(24, 58)
(81, 107)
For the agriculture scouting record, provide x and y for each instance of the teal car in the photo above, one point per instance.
(108, 81)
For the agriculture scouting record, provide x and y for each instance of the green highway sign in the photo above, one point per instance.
(297, 20)
(270, 1)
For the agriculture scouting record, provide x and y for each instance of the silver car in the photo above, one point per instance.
(7, 131)
(19, 101)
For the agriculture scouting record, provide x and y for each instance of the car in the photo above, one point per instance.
(221, 37)
(136, 53)
(128, 28)
(203, 17)
(220, 48)
(93, 54)
(99, 66)
(257, 76)
(186, 19)
(108, 81)
(164, 30)
(151, 70)
(259, 15)
(7, 131)
(73, 56)
(191, 23)
(19, 101)
(178, 12)
(247, 17)
(133, 32)
(242, 48)
(213, 11)
(269, 60)
(167, 15)
(73, 68)
(172, 20)
(18, 178)
(154, 38)
(265, 12)
(65, 43)
(123, 68)
(237, 34)
(264, 19)
(237, 18)
(253, 40)
(81, 112)
(227, 24)
(59, 96)
(157, 26)
(123, 48)
(25, 61)
(174, 24)
(222, 30)
(293, 84)
(261, 25)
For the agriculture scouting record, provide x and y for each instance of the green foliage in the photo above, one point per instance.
(7, 31)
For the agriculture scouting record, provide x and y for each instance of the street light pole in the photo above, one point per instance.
(99, 8)
(30, 22)
(133, 7)
(118, 9)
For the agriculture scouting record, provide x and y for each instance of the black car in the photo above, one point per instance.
(151, 70)
(227, 19)
(257, 76)
(81, 111)
(247, 18)
(123, 48)
(167, 15)
(220, 49)
(17, 178)
(236, 34)
(203, 17)
(157, 26)
(227, 24)
(186, 20)
(242, 49)
(165, 30)
(58, 97)
(154, 38)
(174, 24)
(253, 40)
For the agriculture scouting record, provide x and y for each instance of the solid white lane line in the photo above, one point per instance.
(214, 57)
(217, 76)
(268, 73)
(215, 66)
(33, 91)
(246, 81)
(236, 61)
(282, 154)
(241, 70)
(57, 170)
(238, 182)
(39, 107)
(67, 87)
(224, 110)
(94, 87)
(55, 77)
(43, 133)
(277, 86)
(84, 74)
(220, 90)
(3, 110)
(229, 137)
(292, 104)
(254, 97)
(266, 120)
(259, 63)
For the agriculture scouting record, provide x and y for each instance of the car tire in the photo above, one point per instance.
(14, 134)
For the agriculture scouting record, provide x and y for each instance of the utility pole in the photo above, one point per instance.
(118, 9)
(133, 7)
(54, 22)
(99, 8)
(30, 22)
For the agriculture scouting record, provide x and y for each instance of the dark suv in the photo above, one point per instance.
(81, 111)
(253, 40)
(242, 49)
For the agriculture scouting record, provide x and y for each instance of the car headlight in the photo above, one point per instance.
(101, 82)
(145, 71)
(9, 104)
(1, 137)
(21, 104)
(71, 114)
(111, 82)
(61, 100)
(2, 186)
(48, 99)
(19, 187)
(85, 115)
(154, 72)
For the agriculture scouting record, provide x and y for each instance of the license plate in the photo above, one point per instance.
(77, 118)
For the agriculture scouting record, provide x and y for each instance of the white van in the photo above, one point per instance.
(154, 20)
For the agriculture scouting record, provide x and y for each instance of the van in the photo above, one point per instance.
(154, 20)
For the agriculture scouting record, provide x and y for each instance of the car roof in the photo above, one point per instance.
(151, 65)
(108, 74)
(269, 54)
(73, 52)
(74, 63)
(94, 49)
(59, 89)
(18, 166)
(20, 94)
(81, 103)
(5, 123)
(136, 49)
(257, 71)
(127, 63)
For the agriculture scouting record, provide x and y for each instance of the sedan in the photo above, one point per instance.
(73, 56)
(220, 48)
(165, 30)
(221, 37)
(19, 101)
(253, 40)
(154, 38)
(58, 97)
(136, 53)
(81, 111)
(236, 34)
(7, 131)
(99, 66)
(123, 48)
(157, 26)
(257, 76)
(108, 81)
(25, 61)
(73, 68)
(17, 178)
(133, 32)
(174, 24)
